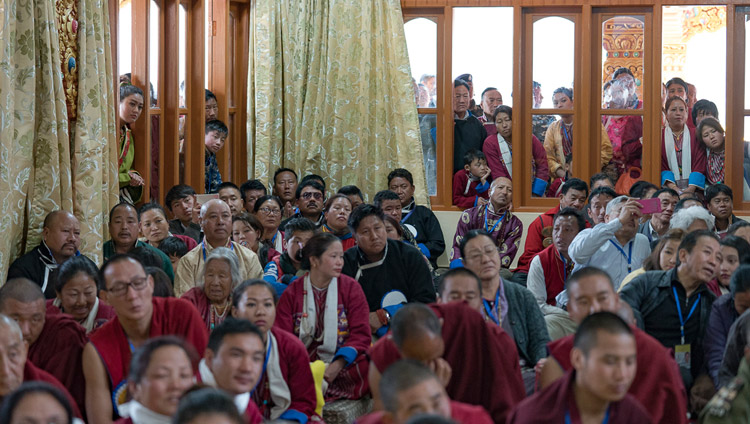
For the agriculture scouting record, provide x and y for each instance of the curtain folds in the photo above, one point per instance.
(329, 92)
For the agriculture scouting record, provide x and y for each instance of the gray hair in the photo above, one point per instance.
(11, 324)
(684, 218)
(205, 206)
(228, 256)
(615, 203)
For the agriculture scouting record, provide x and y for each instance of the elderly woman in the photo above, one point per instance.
(154, 226)
(76, 289)
(663, 257)
(161, 371)
(221, 275)
(328, 311)
(683, 158)
(711, 135)
(336, 216)
(693, 218)
(268, 210)
(286, 390)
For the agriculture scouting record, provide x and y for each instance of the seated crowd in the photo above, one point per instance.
(296, 304)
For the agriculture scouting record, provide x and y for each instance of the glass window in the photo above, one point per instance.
(622, 58)
(428, 134)
(154, 37)
(421, 43)
(182, 72)
(553, 64)
(124, 41)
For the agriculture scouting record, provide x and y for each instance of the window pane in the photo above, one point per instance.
(124, 41)
(746, 160)
(154, 190)
(622, 54)
(182, 22)
(232, 33)
(489, 62)
(690, 35)
(553, 63)
(747, 66)
(153, 50)
(421, 43)
(428, 132)
(625, 134)
(560, 132)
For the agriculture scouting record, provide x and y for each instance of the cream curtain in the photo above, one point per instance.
(329, 92)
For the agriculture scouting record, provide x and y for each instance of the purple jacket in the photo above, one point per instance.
(723, 315)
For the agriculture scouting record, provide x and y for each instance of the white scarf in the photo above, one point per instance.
(88, 324)
(505, 152)
(207, 377)
(471, 178)
(371, 265)
(280, 394)
(672, 155)
(139, 414)
(330, 319)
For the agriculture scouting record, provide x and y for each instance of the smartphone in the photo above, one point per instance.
(203, 198)
(650, 205)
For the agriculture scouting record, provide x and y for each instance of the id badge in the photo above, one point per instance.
(682, 355)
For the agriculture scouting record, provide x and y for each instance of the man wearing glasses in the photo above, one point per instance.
(216, 223)
(310, 201)
(125, 286)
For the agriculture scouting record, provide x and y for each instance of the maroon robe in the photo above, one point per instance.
(657, 384)
(295, 367)
(353, 332)
(170, 317)
(197, 296)
(461, 413)
(553, 403)
(58, 350)
(32, 373)
(468, 199)
(539, 167)
(252, 414)
(124, 421)
(483, 357)
(103, 314)
(506, 234)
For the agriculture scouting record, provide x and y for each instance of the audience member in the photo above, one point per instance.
(686, 202)
(470, 185)
(704, 109)
(61, 238)
(234, 363)
(491, 99)
(663, 256)
(216, 222)
(247, 230)
(213, 297)
(658, 225)
(252, 190)
(683, 159)
(285, 187)
(354, 194)
(737, 342)
(310, 200)
(450, 337)
(317, 321)
(626, 76)
(461, 285)
(711, 135)
(719, 200)
(642, 189)
(106, 358)
(153, 224)
(174, 248)
(601, 180)
(468, 132)
(735, 251)
(207, 406)
(335, 219)
(162, 283)
(390, 203)
(657, 384)
(420, 220)
(212, 107)
(692, 219)
(496, 219)
(741, 228)
(540, 123)
(180, 201)
(131, 106)
(283, 269)
(232, 196)
(38, 402)
(285, 390)
(598, 201)
(54, 343)
(390, 272)
(216, 136)
(269, 210)
(123, 228)
(732, 403)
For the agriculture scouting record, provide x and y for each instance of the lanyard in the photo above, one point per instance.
(487, 212)
(679, 312)
(604, 421)
(565, 267)
(409, 214)
(265, 363)
(203, 246)
(494, 317)
(629, 256)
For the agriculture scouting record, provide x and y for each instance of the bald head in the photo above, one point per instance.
(20, 289)
(212, 205)
(9, 329)
(12, 355)
(54, 217)
(417, 333)
(62, 234)
(23, 301)
(501, 193)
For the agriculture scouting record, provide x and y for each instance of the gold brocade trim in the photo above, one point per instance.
(66, 12)
(622, 41)
(703, 19)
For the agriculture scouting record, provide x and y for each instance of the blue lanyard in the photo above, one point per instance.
(565, 267)
(679, 312)
(604, 421)
(203, 246)
(265, 363)
(487, 212)
(409, 214)
(629, 256)
(493, 316)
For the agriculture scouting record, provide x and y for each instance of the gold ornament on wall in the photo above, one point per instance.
(67, 29)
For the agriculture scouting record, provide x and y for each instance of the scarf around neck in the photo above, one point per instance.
(672, 155)
(307, 327)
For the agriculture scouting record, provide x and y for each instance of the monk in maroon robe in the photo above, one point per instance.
(140, 316)
(55, 341)
(481, 353)
(657, 384)
(597, 389)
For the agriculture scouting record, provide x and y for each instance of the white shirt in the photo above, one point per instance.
(537, 287)
(598, 247)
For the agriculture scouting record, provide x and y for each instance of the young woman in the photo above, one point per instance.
(328, 311)
(131, 106)
(734, 252)
(662, 258)
(268, 210)
(711, 135)
(153, 223)
(76, 290)
(286, 390)
(683, 158)
(336, 216)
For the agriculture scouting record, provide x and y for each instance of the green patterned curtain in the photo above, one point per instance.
(329, 92)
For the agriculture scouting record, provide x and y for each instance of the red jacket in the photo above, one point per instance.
(535, 241)
(468, 199)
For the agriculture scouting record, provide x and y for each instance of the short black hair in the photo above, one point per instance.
(458, 272)
(281, 170)
(586, 335)
(706, 106)
(151, 206)
(640, 188)
(599, 176)
(622, 70)
(691, 239)
(120, 257)
(473, 155)
(739, 244)
(229, 327)
(741, 223)
(178, 192)
(575, 184)
(314, 177)
(127, 90)
(461, 83)
(316, 247)
(578, 215)
(296, 225)
(173, 246)
(142, 356)
(252, 185)
(607, 191)
(242, 288)
(715, 189)
(470, 236)
(384, 195)
(210, 95)
(489, 89)
(309, 183)
(351, 190)
(217, 125)
(206, 401)
(361, 212)
(681, 203)
(120, 205)
(414, 318)
(665, 190)
(228, 184)
(266, 198)
(502, 109)
(589, 271)
(564, 90)
(400, 173)
(163, 286)
(11, 401)
(72, 267)
(677, 80)
(399, 377)
(740, 282)
(147, 256)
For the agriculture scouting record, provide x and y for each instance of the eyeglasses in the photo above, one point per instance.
(268, 211)
(138, 284)
(310, 194)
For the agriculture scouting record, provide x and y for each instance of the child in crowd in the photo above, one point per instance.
(473, 182)
(216, 136)
(174, 248)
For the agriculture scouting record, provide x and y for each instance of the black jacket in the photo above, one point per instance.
(193, 230)
(38, 265)
(429, 233)
(468, 134)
